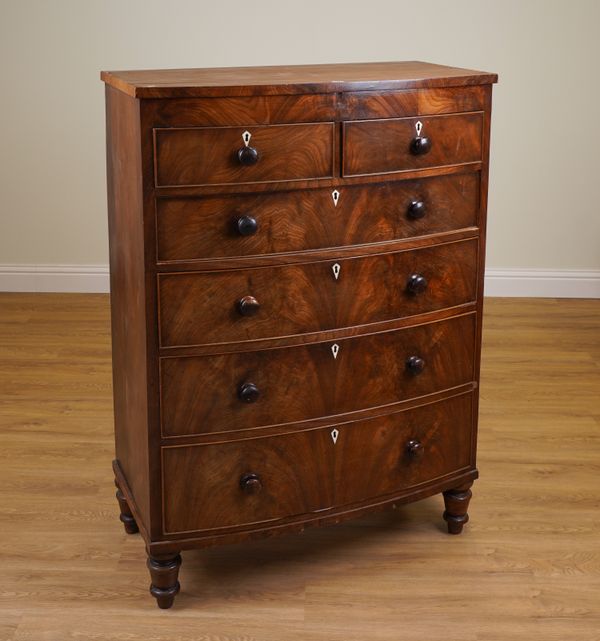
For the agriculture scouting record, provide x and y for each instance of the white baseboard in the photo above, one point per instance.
(543, 283)
(54, 278)
(535, 283)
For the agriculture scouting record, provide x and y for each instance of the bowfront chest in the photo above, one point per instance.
(297, 261)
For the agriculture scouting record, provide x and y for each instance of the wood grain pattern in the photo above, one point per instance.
(369, 459)
(195, 228)
(364, 105)
(314, 255)
(332, 183)
(332, 335)
(293, 525)
(455, 139)
(208, 155)
(200, 394)
(126, 276)
(265, 110)
(200, 308)
(374, 458)
(297, 79)
(71, 572)
(202, 483)
(243, 111)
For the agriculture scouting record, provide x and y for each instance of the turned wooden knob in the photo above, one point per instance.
(248, 306)
(415, 448)
(248, 393)
(246, 226)
(247, 155)
(416, 209)
(420, 145)
(415, 365)
(250, 483)
(416, 284)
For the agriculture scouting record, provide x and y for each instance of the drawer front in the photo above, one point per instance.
(205, 486)
(212, 307)
(386, 455)
(384, 146)
(240, 483)
(254, 224)
(253, 389)
(211, 155)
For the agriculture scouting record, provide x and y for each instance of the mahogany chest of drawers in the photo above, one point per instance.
(297, 261)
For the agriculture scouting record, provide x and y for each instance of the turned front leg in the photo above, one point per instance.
(457, 504)
(126, 516)
(164, 570)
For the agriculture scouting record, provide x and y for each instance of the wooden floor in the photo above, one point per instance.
(527, 566)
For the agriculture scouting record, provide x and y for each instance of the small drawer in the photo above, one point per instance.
(233, 306)
(249, 482)
(403, 144)
(229, 155)
(243, 390)
(257, 224)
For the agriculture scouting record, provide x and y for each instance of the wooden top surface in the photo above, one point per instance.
(248, 81)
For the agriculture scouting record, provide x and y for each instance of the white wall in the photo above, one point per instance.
(543, 207)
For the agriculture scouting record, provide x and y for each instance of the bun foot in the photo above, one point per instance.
(457, 504)
(163, 574)
(126, 517)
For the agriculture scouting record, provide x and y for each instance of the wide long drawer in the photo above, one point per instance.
(401, 144)
(235, 391)
(240, 483)
(253, 224)
(266, 302)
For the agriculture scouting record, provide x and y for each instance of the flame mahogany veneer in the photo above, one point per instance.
(297, 259)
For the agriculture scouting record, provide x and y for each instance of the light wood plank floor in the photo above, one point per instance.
(527, 566)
